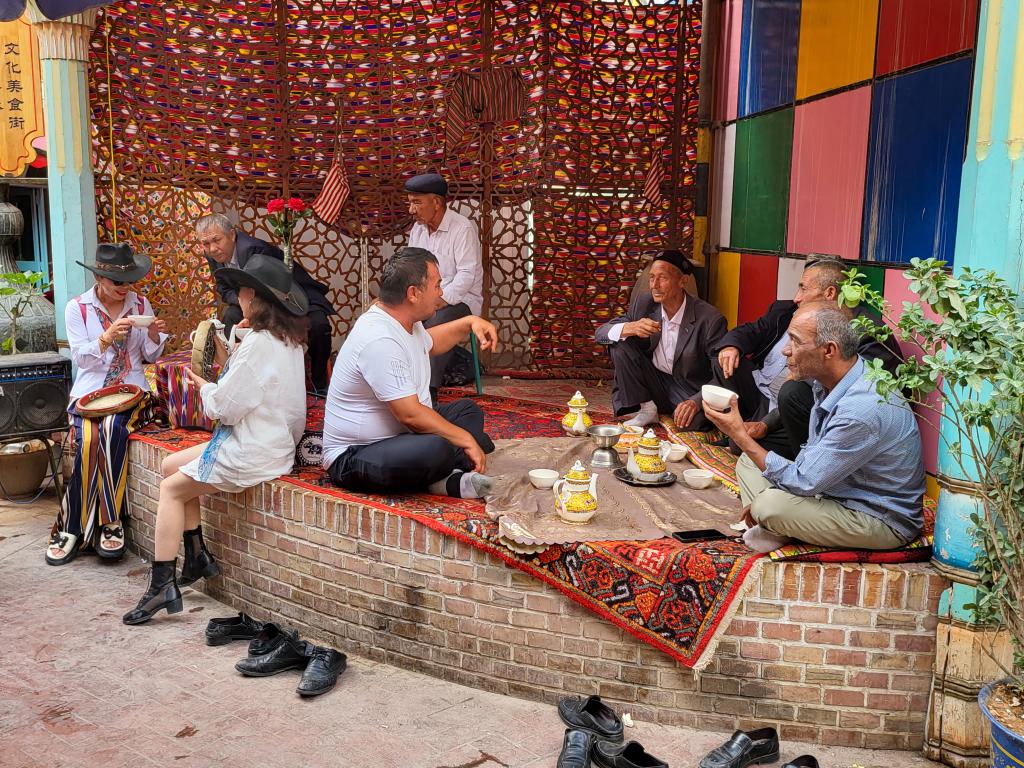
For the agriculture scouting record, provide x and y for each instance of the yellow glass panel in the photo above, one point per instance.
(726, 293)
(837, 44)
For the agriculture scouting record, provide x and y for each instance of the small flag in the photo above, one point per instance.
(655, 177)
(334, 194)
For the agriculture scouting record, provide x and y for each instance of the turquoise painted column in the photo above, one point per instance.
(989, 236)
(64, 51)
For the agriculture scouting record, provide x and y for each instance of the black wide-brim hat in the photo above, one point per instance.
(117, 261)
(269, 277)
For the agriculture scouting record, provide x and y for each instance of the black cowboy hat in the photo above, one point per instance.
(271, 278)
(116, 261)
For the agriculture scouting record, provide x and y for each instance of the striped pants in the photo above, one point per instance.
(97, 493)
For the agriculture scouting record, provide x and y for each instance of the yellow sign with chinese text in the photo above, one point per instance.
(21, 98)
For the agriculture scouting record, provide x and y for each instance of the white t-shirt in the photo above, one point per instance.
(379, 362)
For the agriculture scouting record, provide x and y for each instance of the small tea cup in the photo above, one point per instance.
(141, 321)
(698, 478)
(673, 451)
(717, 397)
(542, 478)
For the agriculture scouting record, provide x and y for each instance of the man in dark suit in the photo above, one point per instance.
(661, 348)
(749, 361)
(226, 246)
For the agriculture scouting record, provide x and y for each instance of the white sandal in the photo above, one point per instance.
(112, 533)
(62, 548)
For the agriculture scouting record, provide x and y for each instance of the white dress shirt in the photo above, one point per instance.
(665, 355)
(84, 340)
(456, 244)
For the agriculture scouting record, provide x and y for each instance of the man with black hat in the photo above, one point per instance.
(454, 240)
(660, 350)
(226, 246)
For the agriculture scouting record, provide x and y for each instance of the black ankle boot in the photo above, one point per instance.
(199, 563)
(163, 592)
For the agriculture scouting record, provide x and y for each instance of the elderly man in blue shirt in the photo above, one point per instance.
(858, 481)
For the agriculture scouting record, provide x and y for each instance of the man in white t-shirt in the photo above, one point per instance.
(381, 434)
(455, 242)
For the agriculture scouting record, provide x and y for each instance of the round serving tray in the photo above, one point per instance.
(623, 474)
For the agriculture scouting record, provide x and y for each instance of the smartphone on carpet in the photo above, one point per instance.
(702, 534)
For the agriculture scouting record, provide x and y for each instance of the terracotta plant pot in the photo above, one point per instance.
(21, 473)
(1007, 745)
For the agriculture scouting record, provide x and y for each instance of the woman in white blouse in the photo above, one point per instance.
(259, 402)
(109, 346)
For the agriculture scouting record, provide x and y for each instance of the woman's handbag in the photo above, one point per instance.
(113, 399)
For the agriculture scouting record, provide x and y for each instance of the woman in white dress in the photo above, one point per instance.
(259, 403)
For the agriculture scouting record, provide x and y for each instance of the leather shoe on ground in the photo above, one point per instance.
(321, 672)
(225, 630)
(744, 748)
(290, 654)
(591, 715)
(628, 755)
(269, 637)
(575, 750)
(804, 761)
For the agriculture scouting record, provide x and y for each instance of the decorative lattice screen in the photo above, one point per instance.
(221, 106)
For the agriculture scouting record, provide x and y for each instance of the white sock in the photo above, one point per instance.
(463, 485)
(648, 414)
(762, 540)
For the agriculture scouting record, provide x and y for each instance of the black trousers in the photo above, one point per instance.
(753, 404)
(439, 363)
(637, 381)
(796, 399)
(318, 341)
(409, 463)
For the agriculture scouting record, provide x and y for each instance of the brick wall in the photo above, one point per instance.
(827, 653)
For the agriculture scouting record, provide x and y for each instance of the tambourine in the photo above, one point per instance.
(204, 350)
(113, 399)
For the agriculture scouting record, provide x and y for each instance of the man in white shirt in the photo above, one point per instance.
(380, 433)
(455, 242)
(661, 348)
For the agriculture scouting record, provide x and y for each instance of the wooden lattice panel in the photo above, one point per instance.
(199, 120)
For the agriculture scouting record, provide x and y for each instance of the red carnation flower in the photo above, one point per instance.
(295, 204)
(275, 206)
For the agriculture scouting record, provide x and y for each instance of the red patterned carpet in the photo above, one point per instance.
(673, 596)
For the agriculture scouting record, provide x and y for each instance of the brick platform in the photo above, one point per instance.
(839, 655)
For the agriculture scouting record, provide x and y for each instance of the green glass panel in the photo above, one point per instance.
(760, 192)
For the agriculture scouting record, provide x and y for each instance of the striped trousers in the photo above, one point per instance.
(97, 493)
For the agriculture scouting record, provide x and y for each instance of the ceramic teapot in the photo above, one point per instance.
(577, 421)
(648, 463)
(576, 494)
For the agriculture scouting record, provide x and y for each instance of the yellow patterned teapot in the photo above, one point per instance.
(576, 495)
(648, 464)
(577, 421)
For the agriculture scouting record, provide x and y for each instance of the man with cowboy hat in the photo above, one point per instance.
(455, 242)
(660, 349)
(224, 245)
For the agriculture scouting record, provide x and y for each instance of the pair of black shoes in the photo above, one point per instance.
(746, 747)
(273, 650)
(595, 733)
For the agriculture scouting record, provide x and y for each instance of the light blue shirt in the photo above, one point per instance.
(773, 373)
(861, 451)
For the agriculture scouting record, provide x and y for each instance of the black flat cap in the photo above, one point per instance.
(427, 184)
(677, 260)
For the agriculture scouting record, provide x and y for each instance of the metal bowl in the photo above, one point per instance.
(606, 435)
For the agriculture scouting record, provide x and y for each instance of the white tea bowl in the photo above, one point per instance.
(141, 321)
(717, 397)
(698, 478)
(542, 478)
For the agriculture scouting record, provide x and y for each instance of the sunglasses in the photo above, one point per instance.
(119, 283)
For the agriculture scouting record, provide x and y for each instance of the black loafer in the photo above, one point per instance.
(231, 628)
(744, 748)
(628, 755)
(290, 654)
(322, 671)
(575, 750)
(591, 715)
(804, 761)
(269, 637)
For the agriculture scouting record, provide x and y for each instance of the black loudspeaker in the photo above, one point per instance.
(34, 391)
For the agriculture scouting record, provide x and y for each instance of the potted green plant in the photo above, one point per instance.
(968, 333)
(17, 291)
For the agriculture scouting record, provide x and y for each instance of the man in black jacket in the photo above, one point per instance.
(661, 348)
(748, 360)
(226, 246)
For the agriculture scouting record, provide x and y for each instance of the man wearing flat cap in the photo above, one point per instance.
(455, 242)
(660, 350)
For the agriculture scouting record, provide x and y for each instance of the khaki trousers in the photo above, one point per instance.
(822, 522)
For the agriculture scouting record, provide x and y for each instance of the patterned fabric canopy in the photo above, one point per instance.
(229, 104)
